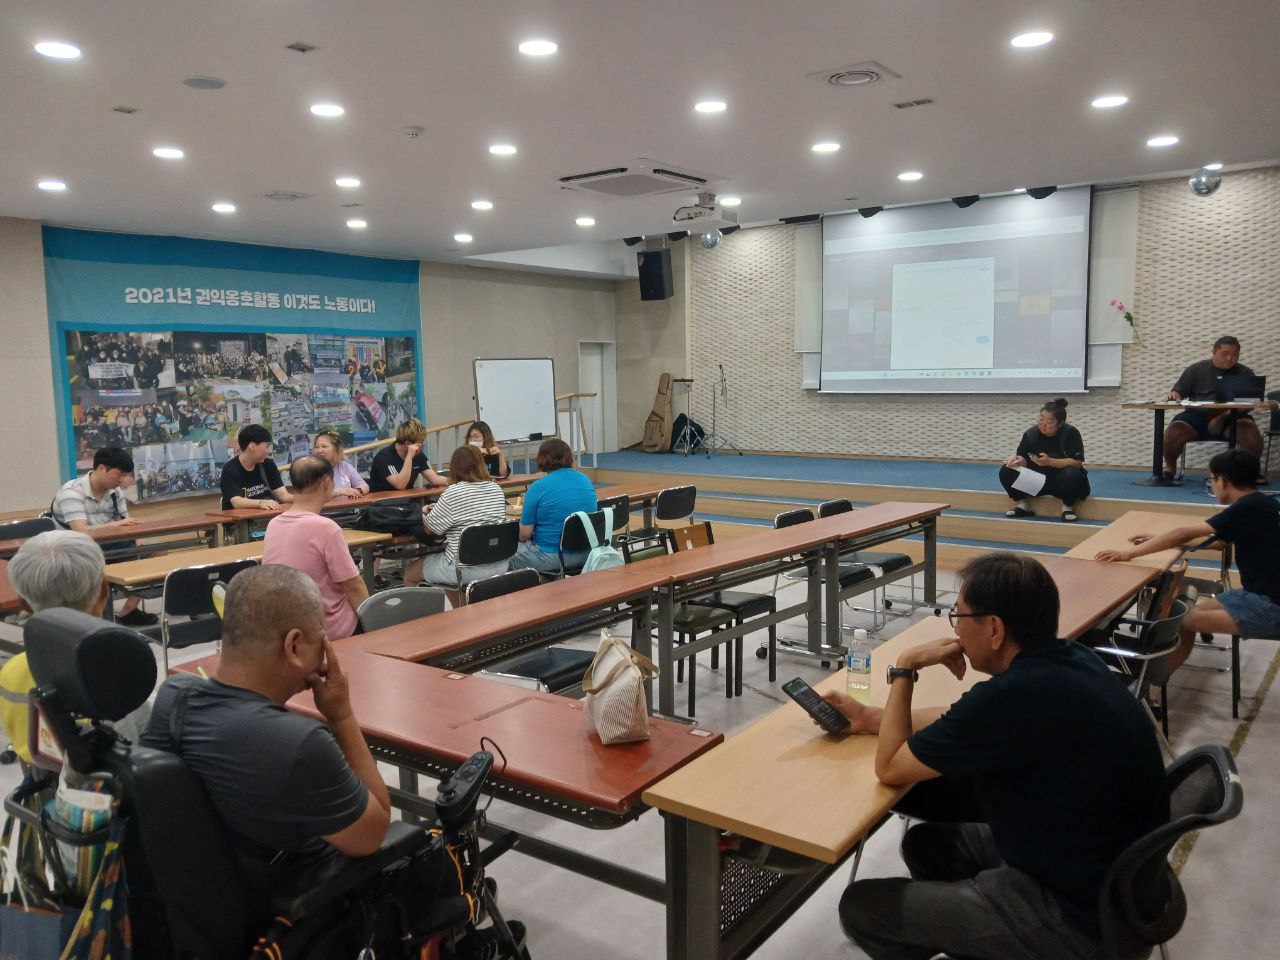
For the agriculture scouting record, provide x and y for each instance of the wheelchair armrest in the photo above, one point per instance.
(402, 841)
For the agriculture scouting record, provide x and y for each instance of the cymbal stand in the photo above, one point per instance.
(714, 440)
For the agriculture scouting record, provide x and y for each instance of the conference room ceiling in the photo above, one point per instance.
(622, 86)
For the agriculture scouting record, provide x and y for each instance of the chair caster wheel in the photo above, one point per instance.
(937, 611)
(1206, 637)
(762, 653)
(8, 757)
(888, 604)
(826, 664)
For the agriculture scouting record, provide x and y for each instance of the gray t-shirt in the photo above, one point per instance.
(1200, 380)
(278, 780)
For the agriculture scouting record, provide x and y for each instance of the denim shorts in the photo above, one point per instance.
(1255, 614)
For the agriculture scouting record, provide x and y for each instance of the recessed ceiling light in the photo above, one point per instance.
(1163, 140)
(826, 146)
(347, 183)
(1110, 100)
(327, 109)
(502, 149)
(730, 201)
(58, 50)
(1213, 166)
(357, 224)
(53, 186)
(910, 175)
(223, 206)
(1019, 189)
(710, 106)
(1036, 38)
(168, 153)
(538, 48)
(481, 205)
(585, 221)
(462, 238)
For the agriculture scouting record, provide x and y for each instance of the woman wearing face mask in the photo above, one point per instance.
(347, 481)
(1054, 449)
(479, 435)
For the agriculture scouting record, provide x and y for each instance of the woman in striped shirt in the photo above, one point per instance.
(471, 498)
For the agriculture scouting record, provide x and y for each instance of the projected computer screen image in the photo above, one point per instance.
(939, 299)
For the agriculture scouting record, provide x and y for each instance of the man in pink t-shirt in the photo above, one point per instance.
(304, 539)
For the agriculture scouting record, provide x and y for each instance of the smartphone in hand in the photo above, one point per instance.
(828, 717)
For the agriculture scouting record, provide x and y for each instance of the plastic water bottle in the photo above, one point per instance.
(857, 662)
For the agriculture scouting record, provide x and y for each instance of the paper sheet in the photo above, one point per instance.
(1029, 482)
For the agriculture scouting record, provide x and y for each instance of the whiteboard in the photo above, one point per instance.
(516, 396)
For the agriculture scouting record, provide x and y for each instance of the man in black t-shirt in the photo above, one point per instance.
(1200, 382)
(1251, 523)
(252, 478)
(1061, 761)
(398, 466)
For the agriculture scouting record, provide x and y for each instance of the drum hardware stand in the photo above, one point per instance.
(685, 443)
(716, 441)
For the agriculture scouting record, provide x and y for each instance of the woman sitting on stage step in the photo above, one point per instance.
(1049, 462)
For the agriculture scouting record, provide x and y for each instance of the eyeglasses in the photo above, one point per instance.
(953, 616)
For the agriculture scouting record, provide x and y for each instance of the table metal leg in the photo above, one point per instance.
(814, 615)
(409, 784)
(367, 565)
(642, 640)
(220, 535)
(242, 531)
(831, 586)
(666, 660)
(693, 894)
(930, 560)
(1157, 457)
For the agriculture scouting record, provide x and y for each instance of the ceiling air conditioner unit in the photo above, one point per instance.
(640, 178)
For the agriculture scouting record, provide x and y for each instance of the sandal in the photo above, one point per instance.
(1069, 516)
(1020, 510)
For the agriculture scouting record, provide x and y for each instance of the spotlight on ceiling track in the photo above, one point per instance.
(869, 212)
(677, 235)
(1041, 192)
(963, 202)
(732, 228)
(805, 218)
(632, 241)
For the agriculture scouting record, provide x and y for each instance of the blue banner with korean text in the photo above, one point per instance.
(168, 346)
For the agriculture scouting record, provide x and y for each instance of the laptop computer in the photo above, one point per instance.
(1240, 389)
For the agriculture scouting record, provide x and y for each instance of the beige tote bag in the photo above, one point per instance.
(615, 705)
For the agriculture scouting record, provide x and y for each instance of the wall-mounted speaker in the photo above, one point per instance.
(655, 275)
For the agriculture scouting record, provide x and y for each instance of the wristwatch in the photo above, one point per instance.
(895, 673)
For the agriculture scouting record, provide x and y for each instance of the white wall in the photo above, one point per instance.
(28, 432)
(652, 340)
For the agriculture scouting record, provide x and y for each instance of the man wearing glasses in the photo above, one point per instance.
(1057, 760)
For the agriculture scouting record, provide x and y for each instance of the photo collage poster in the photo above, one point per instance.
(177, 400)
(173, 371)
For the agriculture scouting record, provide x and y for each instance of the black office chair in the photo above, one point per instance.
(551, 669)
(1273, 431)
(399, 605)
(187, 894)
(188, 592)
(621, 506)
(672, 503)
(688, 621)
(573, 541)
(29, 527)
(1142, 904)
(487, 544)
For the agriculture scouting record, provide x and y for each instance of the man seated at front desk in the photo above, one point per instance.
(1200, 382)
(1057, 760)
(252, 479)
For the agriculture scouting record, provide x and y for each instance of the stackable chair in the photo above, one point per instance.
(188, 592)
(573, 540)
(29, 527)
(480, 545)
(551, 669)
(621, 506)
(1142, 904)
(672, 503)
(882, 565)
(743, 604)
(399, 605)
(688, 621)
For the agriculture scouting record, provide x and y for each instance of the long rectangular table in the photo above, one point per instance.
(428, 721)
(781, 781)
(200, 524)
(139, 574)
(1116, 534)
(1158, 407)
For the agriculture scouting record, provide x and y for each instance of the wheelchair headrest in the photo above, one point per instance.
(102, 671)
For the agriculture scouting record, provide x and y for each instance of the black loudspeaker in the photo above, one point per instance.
(655, 275)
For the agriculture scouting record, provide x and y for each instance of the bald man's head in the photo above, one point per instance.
(263, 604)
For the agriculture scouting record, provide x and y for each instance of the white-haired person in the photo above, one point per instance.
(59, 568)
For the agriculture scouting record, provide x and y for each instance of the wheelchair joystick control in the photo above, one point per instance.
(457, 797)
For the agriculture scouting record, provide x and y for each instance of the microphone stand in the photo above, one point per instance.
(716, 441)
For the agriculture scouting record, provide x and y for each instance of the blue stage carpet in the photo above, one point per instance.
(1110, 484)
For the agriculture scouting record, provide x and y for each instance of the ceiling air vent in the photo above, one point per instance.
(855, 74)
(641, 178)
(908, 104)
(285, 195)
(299, 47)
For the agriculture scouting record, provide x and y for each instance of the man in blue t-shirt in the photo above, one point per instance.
(549, 500)
(1061, 763)
(1251, 524)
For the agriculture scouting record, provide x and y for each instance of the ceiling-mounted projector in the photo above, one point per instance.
(704, 215)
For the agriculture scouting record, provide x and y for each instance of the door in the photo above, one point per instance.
(598, 374)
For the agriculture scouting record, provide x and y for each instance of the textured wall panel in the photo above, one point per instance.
(1205, 267)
